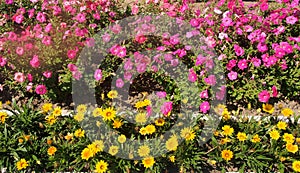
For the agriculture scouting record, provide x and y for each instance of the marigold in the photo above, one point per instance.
(101, 166)
(298, 140)
(227, 130)
(274, 134)
(159, 122)
(144, 151)
(22, 164)
(288, 138)
(139, 104)
(112, 94)
(226, 114)
(268, 108)
(241, 136)
(113, 150)
(296, 166)
(291, 148)
(108, 114)
(255, 138)
(187, 133)
(143, 131)
(224, 140)
(287, 112)
(281, 125)
(117, 124)
(51, 150)
(148, 162)
(146, 102)
(86, 154)
(3, 116)
(69, 136)
(79, 133)
(150, 129)
(172, 143)
(227, 155)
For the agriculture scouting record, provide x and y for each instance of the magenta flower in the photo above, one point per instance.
(274, 91)
(149, 110)
(47, 74)
(41, 89)
(161, 94)
(242, 64)
(72, 54)
(166, 108)
(264, 6)
(194, 22)
(41, 17)
(204, 94)
(3, 61)
(127, 75)
(192, 76)
(98, 74)
(106, 37)
(204, 107)
(34, 62)
(119, 83)
(72, 67)
(80, 17)
(262, 47)
(19, 18)
(227, 21)
(210, 80)
(19, 77)
(239, 51)
(264, 96)
(232, 75)
(256, 62)
(29, 77)
(121, 52)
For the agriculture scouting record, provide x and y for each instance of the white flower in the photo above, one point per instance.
(216, 10)
(222, 35)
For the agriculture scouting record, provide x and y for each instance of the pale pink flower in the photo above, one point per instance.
(119, 83)
(3, 61)
(134, 9)
(232, 75)
(19, 18)
(204, 107)
(20, 51)
(41, 89)
(98, 74)
(76, 75)
(19, 77)
(210, 80)
(161, 94)
(291, 20)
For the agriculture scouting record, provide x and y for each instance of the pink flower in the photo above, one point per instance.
(41, 17)
(19, 18)
(127, 75)
(134, 9)
(98, 74)
(192, 76)
(264, 6)
(166, 108)
(72, 54)
(119, 83)
(149, 110)
(48, 28)
(210, 41)
(19, 77)
(41, 89)
(210, 80)
(204, 107)
(227, 21)
(232, 75)
(274, 91)
(76, 75)
(242, 64)
(3, 61)
(46, 40)
(47, 74)
(29, 77)
(34, 62)
(116, 28)
(20, 51)
(264, 96)
(238, 50)
(72, 67)
(204, 94)
(161, 94)
(256, 62)
(262, 47)
(31, 13)
(291, 20)
(174, 39)
(140, 39)
(194, 22)
(29, 86)
(121, 52)
(80, 17)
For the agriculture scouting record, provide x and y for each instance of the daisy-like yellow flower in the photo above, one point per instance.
(159, 122)
(81, 108)
(187, 133)
(139, 104)
(108, 114)
(281, 125)
(99, 145)
(113, 150)
(227, 155)
(97, 112)
(117, 123)
(141, 118)
(79, 133)
(22, 164)
(86, 154)
(241, 136)
(216, 133)
(47, 107)
(291, 148)
(298, 140)
(148, 162)
(227, 130)
(101, 166)
(172, 143)
(288, 138)
(274, 134)
(146, 102)
(122, 139)
(51, 119)
(296, 166)
(93, 148)
(144, 151)
(69, 136)
(79, 116)
(57, 111)
(268, 108)
(3, 116)
(172, 158)
(51, 150)
(112, 94)
(143, 131)
(287, 112)
(224, 140)
(150, 129)
(226, 114)
(255, 138)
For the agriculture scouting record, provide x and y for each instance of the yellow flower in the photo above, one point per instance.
(3, 116)
(47, 107)
(255, 138)
(139, 104)
(81, 108)
(99, 145)
(187, 133)
(296, 166)
(141, 118)
(288, 138)
(172, 143)
(122, 139)
(241, 136)
(79, 116)
(101, 166)
(227, 130)
(281, 125)
(143, 131)
(112, 94)
(97, 112)
(49, 141)
(113, 150)
(93, 148)
(227, 155)
(172, 158)
(148, 162)
(226, 114)
(282, 159)
(291, 148)
(143, 151)
(224, 140)
(1, 107)
(22, 164)
(287, 112)
(69, 136)
(79, 133)
(51, 150)
(108, 114)
(20, 140)
(150, 129)
(51, 119)
(274, 134)
(213, 162)
(298, 140)
(219, 109)
(216, 133)
(146, 102)
(86, 154)
(117, 124)
(57, 111)
(159, 122)
(268, 108)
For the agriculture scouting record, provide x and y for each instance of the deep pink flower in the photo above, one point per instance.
(29, 77)
(19, 77)
(232, 75)
(274, 91)
(47, 74)
(140, 39)
(34, 62)
(3, 61)
(242, 64)
(48, 28)
(262, 47)
(72, 54)
(264, 96)
(204, 94)
(41, 89)
(227, 21)
(256, 62)
(80, 17)
(239, 51)
(166, 108)
(192, 76)
(264, 6)
(98, 74)
(41, 17)
(72, 67)
(121, 52)
(119, 83)
(194, 22)
(204, 107)
(149, 110)
(31, 13)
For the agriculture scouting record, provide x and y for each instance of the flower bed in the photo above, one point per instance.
(153, 85)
